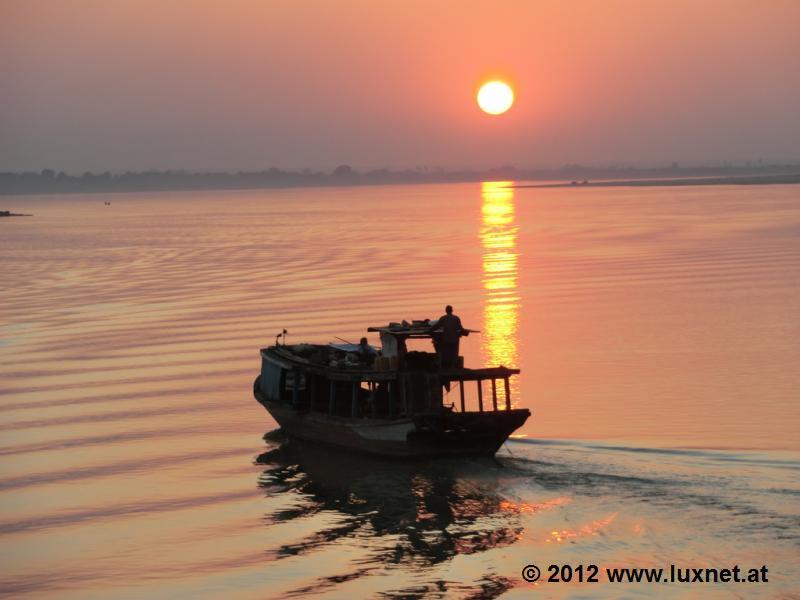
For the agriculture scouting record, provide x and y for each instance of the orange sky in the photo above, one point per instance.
(131, 84)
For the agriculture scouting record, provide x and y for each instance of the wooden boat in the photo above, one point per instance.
(392, 406)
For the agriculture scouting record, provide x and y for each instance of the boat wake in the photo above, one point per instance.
(574, 502)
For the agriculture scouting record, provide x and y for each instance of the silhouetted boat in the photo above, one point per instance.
(393, 406)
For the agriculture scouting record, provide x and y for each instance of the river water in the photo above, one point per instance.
(657, 331)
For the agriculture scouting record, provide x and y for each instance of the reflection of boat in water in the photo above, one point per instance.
(390, 406)
(410, 511)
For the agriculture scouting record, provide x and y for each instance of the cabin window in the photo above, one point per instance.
(271, 375)
(295, 378)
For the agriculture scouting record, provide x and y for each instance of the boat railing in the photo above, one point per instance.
(492, 374)
(410, 392)
(366, 393)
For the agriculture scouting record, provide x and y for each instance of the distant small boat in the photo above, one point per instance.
(392, 406)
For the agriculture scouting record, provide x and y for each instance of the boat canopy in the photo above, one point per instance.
(348, 347)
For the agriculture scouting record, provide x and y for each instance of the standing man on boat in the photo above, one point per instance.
(449, 331)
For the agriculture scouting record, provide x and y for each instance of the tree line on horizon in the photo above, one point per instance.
(49, 181)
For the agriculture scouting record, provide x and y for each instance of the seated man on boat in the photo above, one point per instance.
(366, 353)
(448, 331)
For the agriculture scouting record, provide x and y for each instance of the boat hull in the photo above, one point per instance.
(424, 435)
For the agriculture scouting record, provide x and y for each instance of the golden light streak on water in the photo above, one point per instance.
(500, 277)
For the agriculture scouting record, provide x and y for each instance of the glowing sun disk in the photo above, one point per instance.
(495, 97)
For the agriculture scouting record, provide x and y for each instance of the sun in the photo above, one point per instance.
(495, 97)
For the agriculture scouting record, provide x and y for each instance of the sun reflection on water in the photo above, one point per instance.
(500, 276)
(589, 529)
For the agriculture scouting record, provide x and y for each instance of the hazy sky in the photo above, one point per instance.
(134, 84)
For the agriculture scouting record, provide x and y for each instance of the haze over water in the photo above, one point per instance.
(656, 329)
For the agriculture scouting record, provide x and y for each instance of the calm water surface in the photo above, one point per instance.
(657, 330)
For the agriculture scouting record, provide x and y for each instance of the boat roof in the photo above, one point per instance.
(287, 356)
(348, 347)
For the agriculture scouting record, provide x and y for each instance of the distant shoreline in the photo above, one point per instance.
(49, 181)
(734, 180)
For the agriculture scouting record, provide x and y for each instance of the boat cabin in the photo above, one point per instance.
(397, 383)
